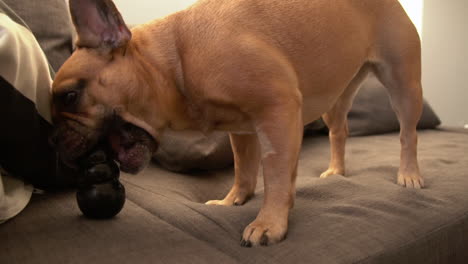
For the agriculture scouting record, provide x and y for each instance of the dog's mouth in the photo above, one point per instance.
(71, 141)
(131, 146)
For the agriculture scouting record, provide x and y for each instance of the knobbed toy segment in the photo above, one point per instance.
(100, 194)
(101, 201)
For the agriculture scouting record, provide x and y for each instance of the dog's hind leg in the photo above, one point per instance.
(398, 66)
(246, 149)
(406, 97)
(337, 123)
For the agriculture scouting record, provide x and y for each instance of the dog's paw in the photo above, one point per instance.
(234, 197)
(263, 233)
(330, 171)
(411, 180)
(219, 202)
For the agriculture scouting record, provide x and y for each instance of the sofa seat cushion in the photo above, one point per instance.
(364, 217)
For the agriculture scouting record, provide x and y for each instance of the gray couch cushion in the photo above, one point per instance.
(372, 112)
(361, 218)
(50, 22)
(186, 151)
(50, 230)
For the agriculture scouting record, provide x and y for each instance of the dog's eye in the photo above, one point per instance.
(70, 98)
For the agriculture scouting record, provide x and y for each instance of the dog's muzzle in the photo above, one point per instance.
(132, 146)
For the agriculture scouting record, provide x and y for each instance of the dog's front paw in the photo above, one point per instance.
(264, 233)
(219, 202)
(331, 171)
(411, 180)
(236, 196)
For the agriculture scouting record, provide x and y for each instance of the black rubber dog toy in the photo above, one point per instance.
(100, 194)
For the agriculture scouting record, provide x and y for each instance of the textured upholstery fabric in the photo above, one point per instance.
(361, 218)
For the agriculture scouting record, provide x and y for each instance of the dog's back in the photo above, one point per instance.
(325, 43)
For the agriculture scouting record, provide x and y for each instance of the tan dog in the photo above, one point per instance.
(259, 69)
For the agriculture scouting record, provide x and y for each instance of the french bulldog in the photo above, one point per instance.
(258, 69)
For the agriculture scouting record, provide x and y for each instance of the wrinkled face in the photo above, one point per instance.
(87, 103)
(91, 91)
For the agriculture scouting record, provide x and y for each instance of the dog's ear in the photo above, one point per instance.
(98, 24)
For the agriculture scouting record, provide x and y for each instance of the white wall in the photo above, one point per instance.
(141, 11)
(445, 59)
(414, 8)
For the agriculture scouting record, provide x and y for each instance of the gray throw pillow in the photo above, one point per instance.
(187, 150)
(50, 22)
(372, 112)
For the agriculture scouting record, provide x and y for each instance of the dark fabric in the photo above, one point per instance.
(364, 217)
(50, 22)
(25, 151)
(24, 148)
(372, 112)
